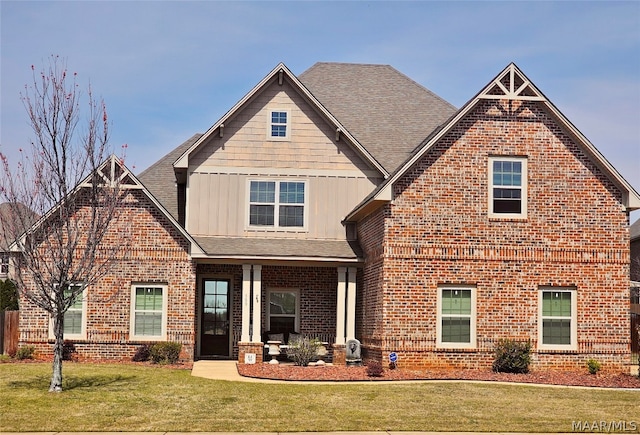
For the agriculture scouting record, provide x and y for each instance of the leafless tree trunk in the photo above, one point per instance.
(66, 194)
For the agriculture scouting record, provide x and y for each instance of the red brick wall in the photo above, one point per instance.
(158, 254)
(437, 231)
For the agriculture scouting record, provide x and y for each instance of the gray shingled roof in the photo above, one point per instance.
(15, 224)
(255, 247)
(386, 111)
(160, 180)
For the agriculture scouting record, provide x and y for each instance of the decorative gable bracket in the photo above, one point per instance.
(112, 173)
(511, 84)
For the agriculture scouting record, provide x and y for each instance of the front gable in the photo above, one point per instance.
(310, 144)
(510, 97)
(309, 150)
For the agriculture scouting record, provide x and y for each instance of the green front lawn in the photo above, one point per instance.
(101, 397)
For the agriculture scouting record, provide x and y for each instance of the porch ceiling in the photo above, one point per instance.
(236, 247)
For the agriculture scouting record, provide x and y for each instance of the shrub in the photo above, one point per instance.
(374, 369)
(69, 352)
(512, 356)
(143, 353)
(167, 352)
(302, 350)
(593, 365)
(8, 295)
(25, 352)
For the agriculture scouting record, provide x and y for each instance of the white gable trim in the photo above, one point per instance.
(280, 70)
(107, 176)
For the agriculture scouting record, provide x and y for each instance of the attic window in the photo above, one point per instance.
(279, 124)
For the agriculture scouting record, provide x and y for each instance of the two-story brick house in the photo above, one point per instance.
(351, 202)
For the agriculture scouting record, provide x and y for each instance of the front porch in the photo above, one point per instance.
(239, 305)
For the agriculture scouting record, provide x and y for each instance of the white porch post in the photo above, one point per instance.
(246, 302)
(341, 302)
(351, 303)
(257, 303)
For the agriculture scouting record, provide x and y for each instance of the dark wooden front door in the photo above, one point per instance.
(214, 326)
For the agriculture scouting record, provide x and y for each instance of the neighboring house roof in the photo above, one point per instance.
(7, 216)
(278, 249)
(160, 179)
(634, 231)
(512, 84)
(278, 73)
(387, 112)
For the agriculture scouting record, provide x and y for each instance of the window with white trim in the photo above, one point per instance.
(508, 187)
(148, 311)
(557, 326)
(4, 263)
(74, 323)
(277, 204)
(456, 327)
(284, 311)
(279, 122)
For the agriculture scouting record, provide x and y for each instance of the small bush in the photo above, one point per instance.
(143, 353)
(69, 351)
(165, 352)
(512, 356)
(25, 352)
(594, 366)
(302, 350)
(374, 369)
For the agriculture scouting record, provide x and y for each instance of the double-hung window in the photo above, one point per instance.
(148, 311)
(75, 318)
(284, 309)
(456, 327)
(557, 325)
(508, 187)
(279, 124)
(4, 263)
(277, 204)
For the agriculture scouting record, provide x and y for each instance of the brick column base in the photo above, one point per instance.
(339, 355)
(245, 348)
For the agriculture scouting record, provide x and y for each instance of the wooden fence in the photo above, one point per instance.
(9, 332)
(635, 335)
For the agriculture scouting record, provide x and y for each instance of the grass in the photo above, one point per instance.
(99, 397)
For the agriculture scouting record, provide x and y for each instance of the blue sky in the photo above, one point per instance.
(169, 69)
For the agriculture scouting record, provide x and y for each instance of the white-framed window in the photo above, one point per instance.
(148, 311)
(508, 187)
(279, 124)
(277, 204)
(4, 264)
(456, 327)
(557, 324)
(284, 310)
(74, 325)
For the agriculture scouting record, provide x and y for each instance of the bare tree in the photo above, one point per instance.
(71, 181)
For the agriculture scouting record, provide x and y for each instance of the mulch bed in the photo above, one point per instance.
(343, 373)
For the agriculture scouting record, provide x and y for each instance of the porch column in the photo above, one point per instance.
(341, 304)
(351, 303)
(246, 302)
(257, 303)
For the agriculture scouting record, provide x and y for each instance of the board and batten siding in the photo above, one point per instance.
(337, 177)
(222, 205)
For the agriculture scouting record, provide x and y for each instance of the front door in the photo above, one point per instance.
(214, 326)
